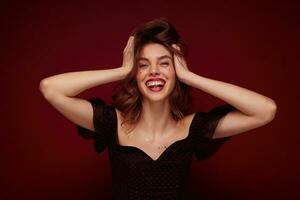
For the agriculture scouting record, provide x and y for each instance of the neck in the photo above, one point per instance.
(156, 118)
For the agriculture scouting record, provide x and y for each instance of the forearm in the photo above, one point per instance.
(247, 101)
(72, 83)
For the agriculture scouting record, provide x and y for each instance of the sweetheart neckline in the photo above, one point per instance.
(116, 141)
(148, 156)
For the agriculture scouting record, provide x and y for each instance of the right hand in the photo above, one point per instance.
(128, 55)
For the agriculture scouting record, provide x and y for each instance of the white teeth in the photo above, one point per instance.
(154, 83)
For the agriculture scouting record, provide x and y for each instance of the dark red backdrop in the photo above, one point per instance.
(253, 45)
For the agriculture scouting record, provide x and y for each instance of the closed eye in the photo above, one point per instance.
(166, 63)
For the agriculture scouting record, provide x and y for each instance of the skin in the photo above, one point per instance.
(156, 125)
(156, 119)
(253, 110)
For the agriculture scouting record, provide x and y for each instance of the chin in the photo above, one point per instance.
(156, 96)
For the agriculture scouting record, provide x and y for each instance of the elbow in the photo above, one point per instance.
(43, 85)
(271, 113)
(45, 88)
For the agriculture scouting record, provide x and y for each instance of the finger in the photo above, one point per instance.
(129, 39)
(129, 42)
(176, 46)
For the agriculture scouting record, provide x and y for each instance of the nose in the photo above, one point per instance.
(154, 70)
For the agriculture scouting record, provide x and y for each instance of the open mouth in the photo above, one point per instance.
(155, 85)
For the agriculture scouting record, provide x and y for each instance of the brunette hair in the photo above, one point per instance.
(127, 97)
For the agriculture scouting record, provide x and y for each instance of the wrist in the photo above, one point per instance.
(123, 72)
(185, 76)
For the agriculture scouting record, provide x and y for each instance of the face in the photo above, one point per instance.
(155, 74)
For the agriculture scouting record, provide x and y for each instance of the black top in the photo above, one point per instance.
(135, 175)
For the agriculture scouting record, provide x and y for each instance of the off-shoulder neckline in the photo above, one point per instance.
(164, 153)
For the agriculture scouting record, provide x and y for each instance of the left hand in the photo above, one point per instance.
(180, 65)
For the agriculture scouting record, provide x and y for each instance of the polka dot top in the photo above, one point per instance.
(135, 175)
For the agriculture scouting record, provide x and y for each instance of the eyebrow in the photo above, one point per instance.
(159, 58)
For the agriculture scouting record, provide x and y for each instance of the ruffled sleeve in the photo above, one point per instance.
(203, 127)
(104, 120)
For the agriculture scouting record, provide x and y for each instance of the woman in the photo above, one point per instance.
(149, 135)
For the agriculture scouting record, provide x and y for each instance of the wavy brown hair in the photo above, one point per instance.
(126, 95)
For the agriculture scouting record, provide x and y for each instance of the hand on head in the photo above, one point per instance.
(179, 64)
(128, 55)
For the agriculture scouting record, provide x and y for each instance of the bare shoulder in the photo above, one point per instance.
(190, 117)
(187, 120)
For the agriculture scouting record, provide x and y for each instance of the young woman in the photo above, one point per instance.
(148, 133)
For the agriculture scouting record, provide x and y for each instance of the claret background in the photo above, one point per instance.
(253, 44)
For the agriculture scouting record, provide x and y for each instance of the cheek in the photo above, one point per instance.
(140, 76)
(172, 76)
(171, 68)
(170, 72)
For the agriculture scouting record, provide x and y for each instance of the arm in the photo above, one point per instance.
(248, 102)
(60, 90)
(254, 109)
(72, 83)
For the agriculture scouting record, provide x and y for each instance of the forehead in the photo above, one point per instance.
(154, 51)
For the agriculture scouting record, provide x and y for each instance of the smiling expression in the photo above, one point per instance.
(155, 72)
